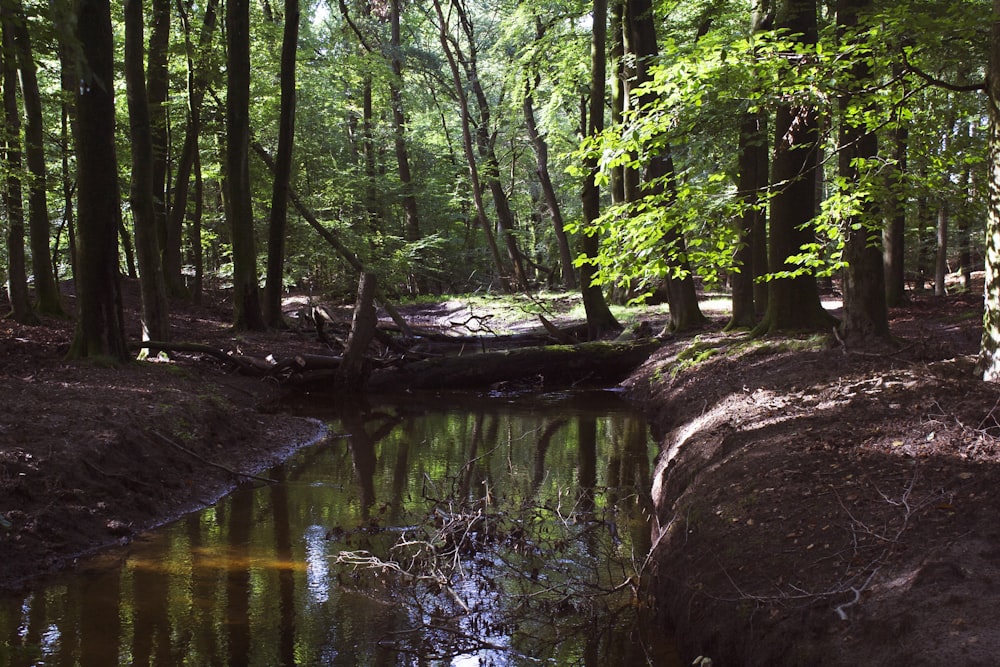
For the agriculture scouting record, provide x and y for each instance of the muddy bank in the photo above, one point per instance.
(822, 507)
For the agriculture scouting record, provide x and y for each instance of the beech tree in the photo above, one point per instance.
(989, 360)
(100, 330)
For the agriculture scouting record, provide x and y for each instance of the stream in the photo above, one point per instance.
(442, 529)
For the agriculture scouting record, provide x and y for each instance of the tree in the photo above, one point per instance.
(100, 330)
(599, 316)
(155, 318)
(282, 170)
(989, 359)
(247, 312)
(46, 289)
(865, 311)
(17, 279)
(793, 294)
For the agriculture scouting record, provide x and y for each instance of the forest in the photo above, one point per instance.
(629, 151)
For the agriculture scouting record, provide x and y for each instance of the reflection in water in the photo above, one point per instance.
(560, 489)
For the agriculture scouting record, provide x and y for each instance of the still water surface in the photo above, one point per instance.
(442, 530)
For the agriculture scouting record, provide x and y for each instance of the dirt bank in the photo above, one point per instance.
(818, 506)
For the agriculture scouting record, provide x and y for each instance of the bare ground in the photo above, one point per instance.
(814, 505)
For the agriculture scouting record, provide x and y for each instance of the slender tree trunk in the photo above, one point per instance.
(989, 359)
(169, 229)
(155, 319)
(17, 275)
(548, 191)
(659, 175)
(865, 312)
(409, 198)
(46, 289)
(894, 238)
(69, 78)
(941, 254)
(965, 233)
(752, 187)
(198, 253)
(794, 303)
(239, 208)
(599, 316)
(467, 142)
(100, 329)
(282, 170)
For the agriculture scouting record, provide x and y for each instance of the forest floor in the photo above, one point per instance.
(816, 505)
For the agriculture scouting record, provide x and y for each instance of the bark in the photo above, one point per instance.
(794, 303)
(69, 77)
(752, 186)
(866, 315)
(659, 175)
(100, 329)
(17, 275)
(46, 289)
(353, 368)
(548, 366)
(247, 312)
(599, 316)
(277, 229)
(941, 253)
(541, 149)
(893, 239)
(409, 198)
(157, 75)
(155, 324)
(989, 358)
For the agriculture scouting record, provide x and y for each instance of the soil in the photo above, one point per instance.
(814, 504)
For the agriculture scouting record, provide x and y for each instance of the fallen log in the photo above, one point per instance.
(548, 366)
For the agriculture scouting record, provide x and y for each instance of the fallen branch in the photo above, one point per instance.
(168, 441)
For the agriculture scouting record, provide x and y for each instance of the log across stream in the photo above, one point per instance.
(449, 529)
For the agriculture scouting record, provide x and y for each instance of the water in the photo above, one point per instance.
(443, 530)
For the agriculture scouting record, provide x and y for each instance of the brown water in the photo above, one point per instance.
(439, 531)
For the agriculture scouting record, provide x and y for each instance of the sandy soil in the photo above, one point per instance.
(815, 505)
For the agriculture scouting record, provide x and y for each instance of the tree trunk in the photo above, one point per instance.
(866, 315)
(155, 320)
(467, 143)
(941, 254)
(989, 358)
(893, 239)
(409, 198)
(239, 209)
(17, 275)
(46, 289)
(157, 75)
(599, 316)
(352, 369)
(752, 186)
(282, 170)
(793, 302)
(659, 175)
(549, 192)
(100, 330)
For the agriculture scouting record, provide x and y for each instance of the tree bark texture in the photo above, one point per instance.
(599, 316)
(866, 315)
(155, 320)
(989, 359)
(17, 274)
(46, 289)
(274, 284)
(100, 330)
(247, 312)
(893, 239)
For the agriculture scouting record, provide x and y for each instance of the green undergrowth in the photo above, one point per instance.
(704, 348)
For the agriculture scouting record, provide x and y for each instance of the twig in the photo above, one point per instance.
(167, 441)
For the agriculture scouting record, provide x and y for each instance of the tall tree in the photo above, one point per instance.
(17, 277)
(793, 295)
(865, 311)
(100, 329)
(599, 316)
(894, 238)
(247, 312)
(659, 177)
(155, 319)
(46, 289)
(989, 359)
(282, 170)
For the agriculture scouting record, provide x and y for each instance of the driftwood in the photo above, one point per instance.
(257, 366)
(550, 366)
